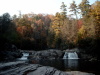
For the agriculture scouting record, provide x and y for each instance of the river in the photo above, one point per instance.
(69, 64)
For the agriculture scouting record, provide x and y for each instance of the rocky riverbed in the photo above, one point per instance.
(32, 67)
(46, 54)
(24, 68)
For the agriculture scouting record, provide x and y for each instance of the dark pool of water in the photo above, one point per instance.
(71, 65)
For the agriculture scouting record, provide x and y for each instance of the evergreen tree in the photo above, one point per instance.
(73, 8)
(84, 6)
(63, 10)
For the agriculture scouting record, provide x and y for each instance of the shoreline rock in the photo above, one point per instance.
(23, 68)
(46, 54)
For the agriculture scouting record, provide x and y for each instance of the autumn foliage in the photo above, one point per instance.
(62, 31)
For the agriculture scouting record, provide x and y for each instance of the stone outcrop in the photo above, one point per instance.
(46, 54)
(22, 68)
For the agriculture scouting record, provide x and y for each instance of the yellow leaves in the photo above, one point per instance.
(57, 18)
(57, 30)
(82, 31)
(53, 26)
(56, 24)
(95, 10)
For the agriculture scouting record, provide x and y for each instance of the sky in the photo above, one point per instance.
(34, 6)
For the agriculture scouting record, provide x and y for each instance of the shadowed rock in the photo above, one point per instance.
(22, 68)
(47, 54)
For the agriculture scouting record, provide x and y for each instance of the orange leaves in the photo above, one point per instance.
(19, 30)
(39, 22)
(24, 30)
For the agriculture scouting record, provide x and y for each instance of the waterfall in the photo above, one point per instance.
(65, 55)
(25, 54)
(24, 57)
(70, 55)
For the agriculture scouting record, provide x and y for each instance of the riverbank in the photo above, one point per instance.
(49, 59)
(24, 68)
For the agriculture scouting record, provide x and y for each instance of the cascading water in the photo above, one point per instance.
(70, 55)
(24, 57)
(65, 55)
(68, 60)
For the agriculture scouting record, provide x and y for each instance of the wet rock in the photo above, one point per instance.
(79, 73)
(23, 68)
(17, 69)
(46, 70)
(47, 54)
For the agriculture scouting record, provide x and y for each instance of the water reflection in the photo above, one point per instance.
(71, 64)
(57, 63)
(66, 64)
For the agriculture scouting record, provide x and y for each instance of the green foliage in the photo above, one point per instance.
(73, 8)
(5, 22)
(85, 7)
(63, 9)
(8, 32)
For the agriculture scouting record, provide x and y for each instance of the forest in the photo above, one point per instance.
(79, 29)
